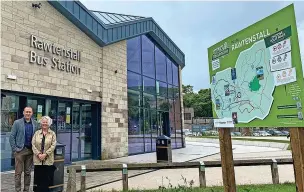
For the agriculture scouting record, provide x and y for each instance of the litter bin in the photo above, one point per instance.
(163, 149)
(56, 172)
(58, 178)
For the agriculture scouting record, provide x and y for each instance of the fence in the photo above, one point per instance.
(97, 167)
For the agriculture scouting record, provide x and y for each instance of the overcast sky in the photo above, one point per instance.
(195, 26)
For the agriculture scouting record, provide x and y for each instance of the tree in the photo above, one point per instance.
(200, 102)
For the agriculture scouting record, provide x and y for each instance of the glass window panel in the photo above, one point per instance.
(9, 113)
(149, 101)
(64, 128)
(170, 91)
(134, 55)
(169, 71)
(162, 104)
(149, 85)
(161, 65)
(175, 92)
(135, 131)
(134, 81)
(51, 111)
(86, 131)
(75, 132)
(175, 75)
(148, 67)
(154, 129)
(147, 130)
(134, 98)
(161, 89)
(38, 106)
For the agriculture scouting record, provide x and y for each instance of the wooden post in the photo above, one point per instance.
(275, 172)
(83, 179)
(297, 147)
(124, 177)
(227, 160)
(71, 187)
(202, 175)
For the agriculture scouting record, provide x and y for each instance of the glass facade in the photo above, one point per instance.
(153, 96)
(76, 123)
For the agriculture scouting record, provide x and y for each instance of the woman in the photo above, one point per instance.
(43, 144)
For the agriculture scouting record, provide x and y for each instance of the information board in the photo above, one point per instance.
(256, 75)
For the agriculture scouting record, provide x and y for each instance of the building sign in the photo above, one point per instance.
(55, 62)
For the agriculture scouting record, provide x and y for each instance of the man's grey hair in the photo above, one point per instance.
(49, 120)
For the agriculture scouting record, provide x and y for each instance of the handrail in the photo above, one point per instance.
(99, 166)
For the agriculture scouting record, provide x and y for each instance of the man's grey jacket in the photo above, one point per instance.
(17, 137)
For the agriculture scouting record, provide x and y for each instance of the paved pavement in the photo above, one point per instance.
(195, 151)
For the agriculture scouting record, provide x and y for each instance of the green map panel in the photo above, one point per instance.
(256, 74)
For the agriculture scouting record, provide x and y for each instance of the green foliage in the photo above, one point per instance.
(200, 102)
(286, 187)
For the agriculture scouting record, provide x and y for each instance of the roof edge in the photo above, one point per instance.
(103, 34)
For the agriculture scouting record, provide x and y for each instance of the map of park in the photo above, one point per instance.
(245, 92)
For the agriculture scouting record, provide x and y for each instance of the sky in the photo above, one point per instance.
(196, 25)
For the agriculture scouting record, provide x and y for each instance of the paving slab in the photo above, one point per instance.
(99, 178)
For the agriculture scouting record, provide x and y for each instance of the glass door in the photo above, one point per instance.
(38, 105)
(81, 131)
(85, 131)
(64, 128)
(75, 132)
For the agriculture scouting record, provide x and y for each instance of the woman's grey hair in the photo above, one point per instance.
(49, 120)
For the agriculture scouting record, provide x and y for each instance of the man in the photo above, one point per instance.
(21, 143)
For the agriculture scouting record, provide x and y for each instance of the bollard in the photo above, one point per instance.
(124, 177)
(83, 178)
(275, 172)
(71, 186)
(202, 175)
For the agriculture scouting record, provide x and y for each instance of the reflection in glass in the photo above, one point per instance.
(162, 104)
(134, 81)
(161, 89)
(51, 111)
(147, 130)
(134, 98)
(37, 106)
(175, 74)
(170, 91)
(154, 128)
(134, 55)
(148, 67)
(149, 85)
(169, 71)
(135, 131)
(9, 113)
(75, 132)
(160, 63)
(149, 101)
(64, 128)
(86, 131)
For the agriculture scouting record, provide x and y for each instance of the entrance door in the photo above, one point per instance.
(64, 127)
(81, 133)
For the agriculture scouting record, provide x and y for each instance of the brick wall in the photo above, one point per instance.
(20, 21)
(115, 104)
